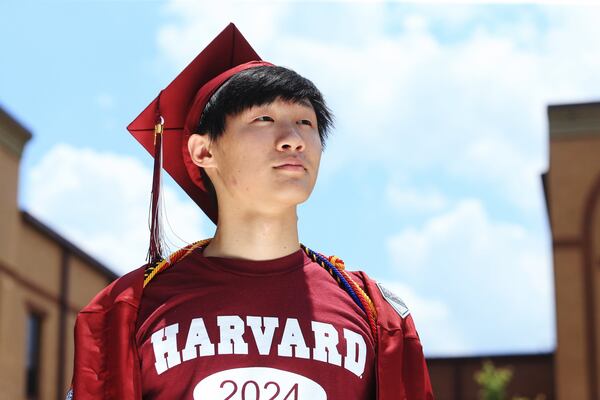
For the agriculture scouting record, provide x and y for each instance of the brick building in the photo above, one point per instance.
(44, 281)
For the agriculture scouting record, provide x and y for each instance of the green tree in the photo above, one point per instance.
(493, 381)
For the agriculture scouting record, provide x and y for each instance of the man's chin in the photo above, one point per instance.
(291, 199)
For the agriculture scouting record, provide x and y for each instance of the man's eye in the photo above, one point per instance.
(265, 118)
(306, 122)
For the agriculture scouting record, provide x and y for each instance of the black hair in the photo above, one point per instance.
(259, 86)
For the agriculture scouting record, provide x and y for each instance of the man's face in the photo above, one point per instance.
(253, 159)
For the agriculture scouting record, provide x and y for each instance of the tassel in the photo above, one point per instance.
(155, 251)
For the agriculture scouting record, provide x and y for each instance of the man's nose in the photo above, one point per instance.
(290, 137)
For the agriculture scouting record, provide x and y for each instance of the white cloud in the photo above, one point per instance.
(408, 97)
(407, 199)
(509, 2)
(494, 277)
(437, 330)
(100, 202)
(197, 22)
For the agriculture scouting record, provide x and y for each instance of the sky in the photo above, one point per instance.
(430, 181)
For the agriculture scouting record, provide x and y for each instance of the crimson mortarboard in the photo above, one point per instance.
(163, 128)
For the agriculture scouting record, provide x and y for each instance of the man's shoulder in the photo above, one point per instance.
(381, 295)
(125, 289)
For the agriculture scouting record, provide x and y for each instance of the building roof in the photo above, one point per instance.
(68, 245)
(574, 120)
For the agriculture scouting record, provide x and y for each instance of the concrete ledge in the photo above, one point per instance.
(574, 120)
(13, 136)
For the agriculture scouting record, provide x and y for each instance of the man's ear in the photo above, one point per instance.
(199, 147)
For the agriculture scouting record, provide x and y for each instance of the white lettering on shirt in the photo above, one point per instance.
(231, 341)
(292, 336)
(231, 328)
(356, 352)
(164, 342)
(326, 340)
(197, 337)
(263, 329)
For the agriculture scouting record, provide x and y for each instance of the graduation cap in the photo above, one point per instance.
(163, 128)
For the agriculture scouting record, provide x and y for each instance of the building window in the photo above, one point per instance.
(32, 364)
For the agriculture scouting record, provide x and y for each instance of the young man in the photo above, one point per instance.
(250, 313)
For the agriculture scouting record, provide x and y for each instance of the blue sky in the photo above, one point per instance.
(430, 181)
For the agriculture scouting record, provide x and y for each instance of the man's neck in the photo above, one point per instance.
(255, 237)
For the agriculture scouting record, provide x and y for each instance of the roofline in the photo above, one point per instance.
(14, 136)
(569, 121)
(573, 105)
(68, 245)
(505, 357)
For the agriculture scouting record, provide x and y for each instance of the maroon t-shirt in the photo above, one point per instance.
(229, 329)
